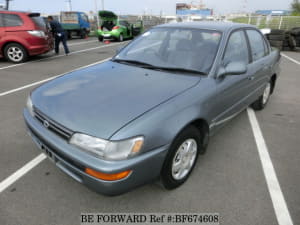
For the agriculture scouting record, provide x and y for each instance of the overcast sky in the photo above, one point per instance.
(139, 6)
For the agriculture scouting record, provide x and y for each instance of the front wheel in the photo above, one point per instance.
(181, 158)
(262, 101)
(15, 53)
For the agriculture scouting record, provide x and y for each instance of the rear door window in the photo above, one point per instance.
(11, 20)
(257, 44)
(1, 20)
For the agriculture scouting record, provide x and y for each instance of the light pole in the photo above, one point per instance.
(69, 4)
(97, 17)
(7, 4)
(102, 3)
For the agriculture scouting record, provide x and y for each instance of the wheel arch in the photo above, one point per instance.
(12, 42)
(201, 125)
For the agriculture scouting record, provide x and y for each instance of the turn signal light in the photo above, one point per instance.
(108, 176)
(116, 27)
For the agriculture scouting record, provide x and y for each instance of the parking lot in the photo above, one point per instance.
(229, 179)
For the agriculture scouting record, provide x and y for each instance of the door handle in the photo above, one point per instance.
(250, 78)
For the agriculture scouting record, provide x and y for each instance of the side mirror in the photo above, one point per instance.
(232, 68)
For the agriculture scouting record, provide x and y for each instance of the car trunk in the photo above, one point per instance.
(108, 20)
(41, 23)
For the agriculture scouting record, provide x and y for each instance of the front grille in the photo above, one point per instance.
(57, 153)
(56, 128)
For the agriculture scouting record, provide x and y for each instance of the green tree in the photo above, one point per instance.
(295, 6)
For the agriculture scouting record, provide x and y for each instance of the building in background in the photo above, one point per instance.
(273, 12)
(193, 12)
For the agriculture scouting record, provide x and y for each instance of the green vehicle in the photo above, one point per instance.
(113, 28)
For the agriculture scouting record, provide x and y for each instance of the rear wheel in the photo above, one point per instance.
(121, 38)
(181, 158)
(262, 101)
(83, 34)
(15, 53)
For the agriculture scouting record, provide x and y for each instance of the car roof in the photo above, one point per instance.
(208, 25)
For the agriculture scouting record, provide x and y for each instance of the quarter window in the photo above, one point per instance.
(237, 49)
(257, 44)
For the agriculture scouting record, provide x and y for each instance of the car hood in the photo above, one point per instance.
(101, 99)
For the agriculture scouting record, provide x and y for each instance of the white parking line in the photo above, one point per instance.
(58, 56)
(48, 79)
(279, 204)
(291, 59)
(82, 43)
(21, 172)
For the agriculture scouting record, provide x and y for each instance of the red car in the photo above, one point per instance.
(23, 34)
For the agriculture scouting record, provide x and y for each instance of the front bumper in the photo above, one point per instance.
(145, 167)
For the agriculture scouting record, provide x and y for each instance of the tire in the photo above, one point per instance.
(295, 31)
(171, 177)
(262, 101)
(277, 31)
(83, 34)
(276, 37)
(15, 53)
(100, 38)
(298, 41)
(121, 38)
(69, 35)
(285, 43)
(292, 42)
(276, 44)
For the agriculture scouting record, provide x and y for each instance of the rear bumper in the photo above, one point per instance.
(72, 161)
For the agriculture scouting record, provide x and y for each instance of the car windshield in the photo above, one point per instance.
(173, 48)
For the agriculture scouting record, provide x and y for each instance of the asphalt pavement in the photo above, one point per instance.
(228, 179)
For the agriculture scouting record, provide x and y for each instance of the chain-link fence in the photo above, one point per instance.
(273, 22)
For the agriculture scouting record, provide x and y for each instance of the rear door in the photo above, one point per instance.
(260, 65)
(2, 33)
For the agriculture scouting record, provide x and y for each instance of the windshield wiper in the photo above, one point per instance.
(150, 66)
(176, 69)
(134, 62)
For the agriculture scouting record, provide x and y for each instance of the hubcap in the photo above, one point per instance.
(266, 94)
(184, 159)
(15, 54)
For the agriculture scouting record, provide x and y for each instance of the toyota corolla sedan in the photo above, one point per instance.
(148, 113)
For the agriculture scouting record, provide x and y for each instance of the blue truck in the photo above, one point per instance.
(75, 23)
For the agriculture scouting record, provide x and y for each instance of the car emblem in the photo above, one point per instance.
(46, 123)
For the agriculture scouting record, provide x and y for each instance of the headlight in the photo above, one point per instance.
(29, 106)
(109, 150)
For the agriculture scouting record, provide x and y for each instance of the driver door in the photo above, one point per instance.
(232, 90)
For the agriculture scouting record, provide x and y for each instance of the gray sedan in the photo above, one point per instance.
(148, 112)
